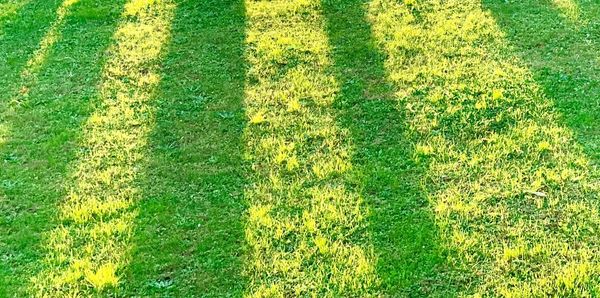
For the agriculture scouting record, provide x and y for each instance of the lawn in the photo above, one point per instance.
(299, 148)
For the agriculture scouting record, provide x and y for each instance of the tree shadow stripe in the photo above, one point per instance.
(189, 235)
(40, 146)
(410, 259)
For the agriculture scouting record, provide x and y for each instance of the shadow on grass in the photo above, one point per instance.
(189, 234)
(404, 235)
(9, 12)
(563, 56)
(41, 141)
(20, 34)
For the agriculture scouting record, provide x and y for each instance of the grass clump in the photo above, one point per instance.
(305, 227)
(85, 253)
(514, 196)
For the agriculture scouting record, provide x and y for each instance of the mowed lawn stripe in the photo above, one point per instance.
(87, 251)
(515, 197)
(306, 227)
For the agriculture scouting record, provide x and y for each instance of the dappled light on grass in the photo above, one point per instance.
(89, 247)
(515, 198)
(306, 223)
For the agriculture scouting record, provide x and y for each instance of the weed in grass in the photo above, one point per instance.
(515, 198)
(306, 224)
(86, 252)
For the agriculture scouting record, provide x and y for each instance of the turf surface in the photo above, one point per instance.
(341, 148)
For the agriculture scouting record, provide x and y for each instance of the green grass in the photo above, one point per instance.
(329, 148)
(404, 234)
(189, 236)
(92, 242)
(563, 56)
(514, 197)
(306, 228)
(39, 140)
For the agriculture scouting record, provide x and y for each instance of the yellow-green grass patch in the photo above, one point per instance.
(40, 143)
(9, 8)
(514, 196)
(568, 8)
(88, 249)
(306, 223)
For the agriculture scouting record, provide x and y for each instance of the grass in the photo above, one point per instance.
(562, 54)
(40, 142)
(85, 251)
(189, 232)
(410, 259)
(514, 196)
(307, 148)
(306, 223)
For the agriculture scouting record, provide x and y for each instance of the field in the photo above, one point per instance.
(299, 148)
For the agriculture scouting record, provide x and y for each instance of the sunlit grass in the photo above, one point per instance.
(89, 248)
(564, 58)
(514, 196)
(306, 223)
(568, 8)
(10, 8)
(29, 74)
